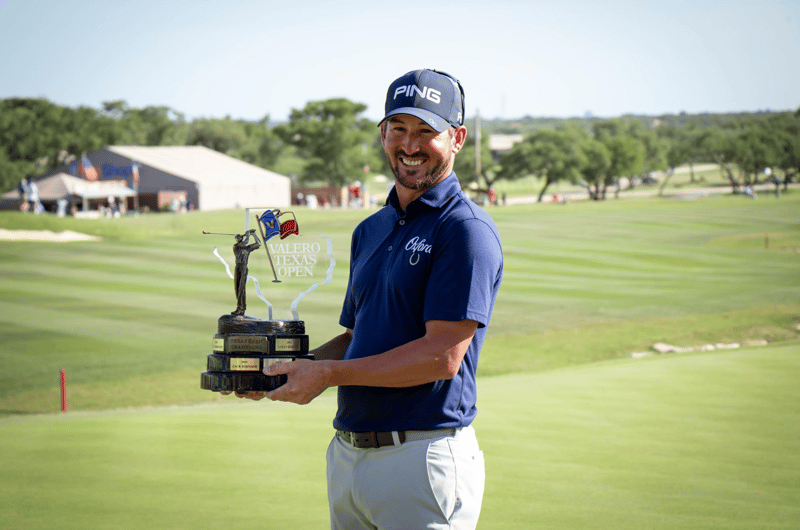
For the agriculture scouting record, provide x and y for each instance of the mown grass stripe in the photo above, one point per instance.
(680, 442)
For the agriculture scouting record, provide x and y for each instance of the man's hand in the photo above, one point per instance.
(306, 380)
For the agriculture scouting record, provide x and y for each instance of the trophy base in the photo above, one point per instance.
(234, 363)
(244, 346)
(240, 383)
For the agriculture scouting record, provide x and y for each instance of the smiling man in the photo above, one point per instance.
(424, 274)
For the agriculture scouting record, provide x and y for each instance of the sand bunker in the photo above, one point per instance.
(44, 235)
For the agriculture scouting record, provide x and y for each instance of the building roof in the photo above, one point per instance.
(503, 142)
(196, 163)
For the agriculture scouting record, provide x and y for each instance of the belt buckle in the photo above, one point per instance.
(360, 440)
(370, 439)
(365, 440)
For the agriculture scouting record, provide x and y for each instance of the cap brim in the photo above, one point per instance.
(436, 122)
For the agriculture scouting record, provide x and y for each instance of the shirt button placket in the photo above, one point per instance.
(401, 222)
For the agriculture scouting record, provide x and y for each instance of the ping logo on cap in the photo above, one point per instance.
(428, 93)
(434, 97)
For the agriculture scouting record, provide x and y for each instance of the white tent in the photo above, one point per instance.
(62, 186)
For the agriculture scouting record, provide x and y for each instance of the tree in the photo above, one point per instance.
(37, 136)
(551, 154)
(595, 167)
(719, 146)
(13, 171)
(465, 162)
(627, 159)
(655, 147)
(333, 140)
(680, 149)
(223, 135)
(756, 149)
(627, 153)
(786, 127)
(153, 125)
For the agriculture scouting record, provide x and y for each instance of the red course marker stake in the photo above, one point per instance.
(63, 390)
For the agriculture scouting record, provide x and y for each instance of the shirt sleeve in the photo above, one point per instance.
(347, 318)
(466, 269)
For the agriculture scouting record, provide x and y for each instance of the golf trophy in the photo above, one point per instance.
(244, 345)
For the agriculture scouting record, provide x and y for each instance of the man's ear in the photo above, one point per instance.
(459, 138)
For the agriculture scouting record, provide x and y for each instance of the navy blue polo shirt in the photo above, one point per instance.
(441, 259)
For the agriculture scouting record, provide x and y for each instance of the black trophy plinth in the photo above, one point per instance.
(243, 346)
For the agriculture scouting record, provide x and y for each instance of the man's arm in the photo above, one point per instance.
(435, 356)
(334, 349)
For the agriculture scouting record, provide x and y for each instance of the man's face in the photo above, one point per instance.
(419, 155)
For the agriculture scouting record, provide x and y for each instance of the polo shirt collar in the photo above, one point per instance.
(433, 198)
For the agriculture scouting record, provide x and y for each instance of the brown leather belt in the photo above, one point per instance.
(375, 439)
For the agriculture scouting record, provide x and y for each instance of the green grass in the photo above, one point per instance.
(585, 282)
(576, 433)
(673, 442)
(226, 465)
(696, 441)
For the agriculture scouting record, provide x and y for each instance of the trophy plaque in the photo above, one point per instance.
(244, 345)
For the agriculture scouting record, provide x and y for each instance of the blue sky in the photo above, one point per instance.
(248, 59)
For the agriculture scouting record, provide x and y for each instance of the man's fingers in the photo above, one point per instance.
(278, 369)
(281, 368)
(254, 395)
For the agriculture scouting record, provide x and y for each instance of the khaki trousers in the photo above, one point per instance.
(436, 483)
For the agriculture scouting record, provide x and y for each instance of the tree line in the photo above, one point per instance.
(330, 141)
(601, 154)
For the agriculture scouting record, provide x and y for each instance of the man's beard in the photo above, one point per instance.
(428, 180)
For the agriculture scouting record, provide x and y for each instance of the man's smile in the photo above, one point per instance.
(411, 162)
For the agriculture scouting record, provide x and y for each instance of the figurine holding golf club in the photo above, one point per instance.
(242, 250)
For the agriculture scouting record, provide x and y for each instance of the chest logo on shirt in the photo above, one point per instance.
(417, 247)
